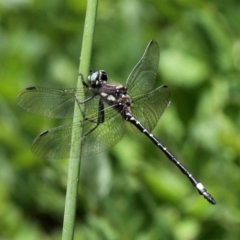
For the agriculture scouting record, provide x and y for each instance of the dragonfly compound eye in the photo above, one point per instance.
(97, 77)
(102, 75)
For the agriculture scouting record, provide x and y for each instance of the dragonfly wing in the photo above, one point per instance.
(50, 102)
(149, 108)
(56, 142)
(106, 135)
(143, 75)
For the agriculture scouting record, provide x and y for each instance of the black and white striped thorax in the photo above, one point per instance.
(114, 95)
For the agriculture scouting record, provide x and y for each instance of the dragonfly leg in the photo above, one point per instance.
(87, 99)
(100, 118)
(83, 82)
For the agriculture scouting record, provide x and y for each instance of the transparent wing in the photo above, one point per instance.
(143, 76)
(50, 102)
(56, 142)
(106, 135)
(149, 108)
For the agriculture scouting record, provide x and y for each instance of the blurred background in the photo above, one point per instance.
(131, 191)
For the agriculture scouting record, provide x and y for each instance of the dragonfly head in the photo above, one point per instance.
(97, 78)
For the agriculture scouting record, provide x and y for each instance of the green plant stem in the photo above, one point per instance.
(74, 163)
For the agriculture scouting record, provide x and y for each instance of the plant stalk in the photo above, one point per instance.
(75, 163)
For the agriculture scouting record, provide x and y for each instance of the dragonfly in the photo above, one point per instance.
(107, 106)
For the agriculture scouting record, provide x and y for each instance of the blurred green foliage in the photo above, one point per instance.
(132, 191)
